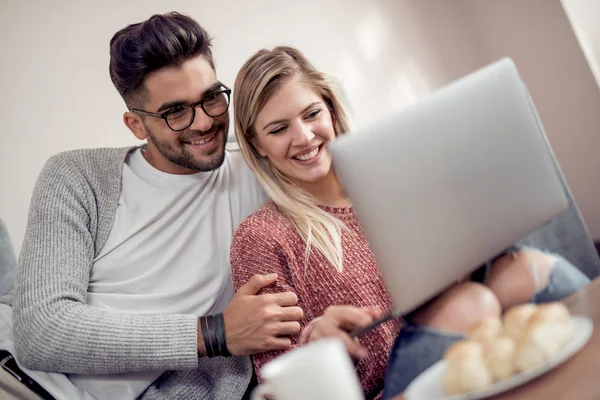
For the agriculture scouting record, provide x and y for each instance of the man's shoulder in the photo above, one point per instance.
(86, 162)
(99, 168)
(242, 177)
(91, 156)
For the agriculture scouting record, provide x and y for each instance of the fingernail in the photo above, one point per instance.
(272, 276)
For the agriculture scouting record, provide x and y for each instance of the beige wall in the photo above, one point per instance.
(538, 36)
(585, 19)
(56, 94)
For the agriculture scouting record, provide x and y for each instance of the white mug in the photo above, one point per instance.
(319, 370)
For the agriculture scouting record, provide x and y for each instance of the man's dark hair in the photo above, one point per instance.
(162, 40)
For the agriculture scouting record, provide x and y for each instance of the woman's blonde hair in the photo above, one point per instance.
(258, 80)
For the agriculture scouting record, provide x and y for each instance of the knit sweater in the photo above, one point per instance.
(71, 215)
(267, 242)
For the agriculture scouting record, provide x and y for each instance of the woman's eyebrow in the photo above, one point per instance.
(279, 121)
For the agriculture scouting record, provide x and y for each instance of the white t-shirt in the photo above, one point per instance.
(168, 250)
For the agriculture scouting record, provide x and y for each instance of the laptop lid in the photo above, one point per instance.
(450, 181)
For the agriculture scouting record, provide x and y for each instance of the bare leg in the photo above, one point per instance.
(458, 308)
(515, 278)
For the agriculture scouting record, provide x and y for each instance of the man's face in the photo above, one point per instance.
(200, 147)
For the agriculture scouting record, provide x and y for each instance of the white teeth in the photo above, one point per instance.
(308, 156)
(202, 141)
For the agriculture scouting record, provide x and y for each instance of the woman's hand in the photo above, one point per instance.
(338, 321)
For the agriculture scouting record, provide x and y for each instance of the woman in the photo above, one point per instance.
(285, 113)
(307, 233)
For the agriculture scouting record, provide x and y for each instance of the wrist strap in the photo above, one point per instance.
(220, 331)
(213, 333)
(207, 329)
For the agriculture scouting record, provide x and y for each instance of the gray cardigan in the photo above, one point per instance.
(7, 261)
(72, 210)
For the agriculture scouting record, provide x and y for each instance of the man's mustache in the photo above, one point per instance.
(195, 135)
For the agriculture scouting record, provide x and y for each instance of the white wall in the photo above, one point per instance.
(585, 19)
(56, 94)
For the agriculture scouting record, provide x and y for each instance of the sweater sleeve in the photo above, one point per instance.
(257, 248)
(55, 330)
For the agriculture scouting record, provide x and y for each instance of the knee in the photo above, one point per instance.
(540, 266)
(515, 278)
(460, 307)
(474, 301)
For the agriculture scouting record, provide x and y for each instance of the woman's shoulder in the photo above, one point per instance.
(265, 242)
(267, 223)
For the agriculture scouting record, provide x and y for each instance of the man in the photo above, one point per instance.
(124, 271)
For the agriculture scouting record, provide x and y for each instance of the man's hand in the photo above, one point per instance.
(256, 323)
(337, 321)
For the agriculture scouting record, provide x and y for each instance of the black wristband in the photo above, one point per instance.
(208, 335)
(219, 323)
(213, 333)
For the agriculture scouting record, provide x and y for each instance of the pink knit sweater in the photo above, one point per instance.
(267, 242)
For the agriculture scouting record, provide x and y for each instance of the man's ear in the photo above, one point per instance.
(134, 122)
(256, 145)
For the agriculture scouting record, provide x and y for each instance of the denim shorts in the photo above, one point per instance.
(419, 347)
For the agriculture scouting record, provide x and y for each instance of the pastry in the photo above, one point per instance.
(486, 330)
(451, 380)
(499, 356)
(465, 376)
(465, 370)
(528, 356)
(525, 338)
(515, 320)
(547, 331)
(463, 349)
(552, 312)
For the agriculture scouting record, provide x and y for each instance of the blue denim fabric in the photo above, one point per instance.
(564, 280)
(416, 349)
(419, 347)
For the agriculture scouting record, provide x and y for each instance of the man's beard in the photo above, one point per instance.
(179, 154)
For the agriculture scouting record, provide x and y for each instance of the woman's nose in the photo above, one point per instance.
(303, 135)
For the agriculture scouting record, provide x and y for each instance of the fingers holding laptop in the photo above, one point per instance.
(338, 321)
(261, 322)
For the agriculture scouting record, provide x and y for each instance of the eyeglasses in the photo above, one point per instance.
(182, 117)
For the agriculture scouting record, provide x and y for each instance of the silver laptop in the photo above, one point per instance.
(451, 181)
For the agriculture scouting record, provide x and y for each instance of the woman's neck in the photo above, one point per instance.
(328, 191)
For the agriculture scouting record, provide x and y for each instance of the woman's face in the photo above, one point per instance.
(291, 131)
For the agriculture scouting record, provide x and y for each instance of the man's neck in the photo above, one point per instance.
(164, 165)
